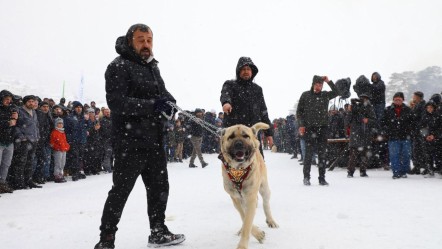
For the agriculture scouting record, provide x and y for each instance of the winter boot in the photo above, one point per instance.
(307, 182)
(106, 242)
(164, 237)
(364, 174)
(204, 164)
(4, 188)
(32, 184)
(350, 175)
(322, 181)
(191, 165)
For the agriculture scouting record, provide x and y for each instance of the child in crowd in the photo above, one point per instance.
(59, 145)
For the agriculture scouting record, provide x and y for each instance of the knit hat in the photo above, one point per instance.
(27, 98)
(76, 104)
(58, 120)
(318, 79)
(198, 110)
(399, 94)
(91, 110)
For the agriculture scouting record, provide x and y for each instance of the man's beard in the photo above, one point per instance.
(144, 55)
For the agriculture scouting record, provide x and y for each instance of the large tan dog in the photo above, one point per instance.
(244, 174)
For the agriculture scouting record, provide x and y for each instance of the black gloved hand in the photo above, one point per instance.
(161, 106)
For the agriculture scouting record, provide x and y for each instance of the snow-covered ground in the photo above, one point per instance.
(375, 212)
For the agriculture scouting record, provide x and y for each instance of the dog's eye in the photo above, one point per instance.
(246, 136)
(231, 137)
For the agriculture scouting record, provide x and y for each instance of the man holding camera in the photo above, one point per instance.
(312, 116)
(8, 120)
(362, 121)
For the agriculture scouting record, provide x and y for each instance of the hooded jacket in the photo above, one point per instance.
(246, 99)
(312, 108)
(6, 131)
(378, 90)
(133, 85)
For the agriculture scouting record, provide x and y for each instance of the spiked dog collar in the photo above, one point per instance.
(237, 176)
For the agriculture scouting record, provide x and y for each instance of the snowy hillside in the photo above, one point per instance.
(363, 213)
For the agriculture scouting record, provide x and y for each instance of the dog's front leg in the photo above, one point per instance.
(250, 202)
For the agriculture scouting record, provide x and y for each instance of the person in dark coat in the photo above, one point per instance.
(397, 126)
(417, 140)
(431, 131)
(362, 121)
(378, 95)
(196, 131)
(44, 151)
(93, 152)
(106, 136)
(137, 97)
(312, 116)
(8, 121)
(26, 138)
(76, 133)
(243, 100)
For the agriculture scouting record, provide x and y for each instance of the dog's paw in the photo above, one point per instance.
(272, 224)
(258, 234)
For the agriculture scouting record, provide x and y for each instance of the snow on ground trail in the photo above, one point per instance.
(374, 212)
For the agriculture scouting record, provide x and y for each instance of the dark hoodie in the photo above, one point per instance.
(133, 85)
(246, 99)
(6, 131)
(312, 108)
(378, 94)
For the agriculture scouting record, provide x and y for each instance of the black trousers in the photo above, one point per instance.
(152, 166)
(418, 150)
(315, 138)
(21, 168)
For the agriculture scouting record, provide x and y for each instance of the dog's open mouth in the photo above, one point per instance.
(241, 155)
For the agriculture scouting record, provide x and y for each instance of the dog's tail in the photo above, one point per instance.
(259, 126)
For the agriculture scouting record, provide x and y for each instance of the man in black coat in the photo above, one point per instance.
(137, 97)
(43, 152)
(312, 116)
(417, 140)
(243, 101)
(8, 121)
(396, 126)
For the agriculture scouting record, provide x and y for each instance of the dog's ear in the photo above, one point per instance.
(259, 126)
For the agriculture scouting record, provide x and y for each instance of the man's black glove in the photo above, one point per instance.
(161, 106)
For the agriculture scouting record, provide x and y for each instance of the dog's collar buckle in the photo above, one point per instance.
(237, 176)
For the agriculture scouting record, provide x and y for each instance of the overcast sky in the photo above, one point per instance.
(198, 43)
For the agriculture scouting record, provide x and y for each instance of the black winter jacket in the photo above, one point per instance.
(246, 99)
(361, 134)
(6, 131)
(431, 124)
(312, 108)
(45, 125)
(397, 128)
(417, 113)
(133, 85)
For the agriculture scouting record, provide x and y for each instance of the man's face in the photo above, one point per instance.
(430, 108)
(398, 101)
(44, 108)
(106, 113)
(58, 111)
(93, 104)
(78, 109)
(142, 42)
(245, 73)
(30, 104)
(317, 87)
(416, 99)
(374, 78)
(7, 101)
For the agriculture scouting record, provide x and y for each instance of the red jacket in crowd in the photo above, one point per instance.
(59, 141)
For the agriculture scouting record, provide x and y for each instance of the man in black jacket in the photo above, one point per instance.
(417, 140)
(196, 131)
(397, 125)
(8, 121)
(43, 152)
(243, 101)
(137, 96)
(313, 124)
